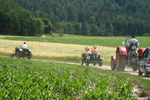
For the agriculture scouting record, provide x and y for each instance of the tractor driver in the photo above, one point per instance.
(133, 41)
(24, 45)
(94, 51)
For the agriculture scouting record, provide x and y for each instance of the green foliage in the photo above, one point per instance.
(107, 17)
(24, 79)
(15, 20)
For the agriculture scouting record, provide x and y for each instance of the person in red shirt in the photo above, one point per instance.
(94, 50)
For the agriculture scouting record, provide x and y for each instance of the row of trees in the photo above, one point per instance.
(15, 20)
(93, 17)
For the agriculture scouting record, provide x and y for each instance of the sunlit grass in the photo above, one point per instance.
(55, 50)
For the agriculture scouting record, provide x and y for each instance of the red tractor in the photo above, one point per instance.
(125, 57)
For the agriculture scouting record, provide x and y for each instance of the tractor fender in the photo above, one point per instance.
(141, 51)
(122, 50)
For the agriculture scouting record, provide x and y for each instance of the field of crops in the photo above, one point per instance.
(24, 79)
(83, 40)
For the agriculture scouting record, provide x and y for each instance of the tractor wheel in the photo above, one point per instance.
(140, 73)
(94, 64)
(29, 55)
(145, 73)
(120, 62)
(88, 62)
(112, 63)
(82, 62)
(17, 54)
(100, 63)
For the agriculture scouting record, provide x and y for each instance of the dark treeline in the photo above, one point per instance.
(15, 20)
(94, 17)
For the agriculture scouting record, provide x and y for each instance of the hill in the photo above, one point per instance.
(93, 17)
(15, 20)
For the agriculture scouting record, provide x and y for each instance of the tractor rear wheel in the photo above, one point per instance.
(112, 63)
(82, 62)
(120, 62)
(17, 55)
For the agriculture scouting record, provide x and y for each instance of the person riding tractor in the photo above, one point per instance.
(22, 51)
(92, 58)
(125, 55)
(94, 51)
(131, 43)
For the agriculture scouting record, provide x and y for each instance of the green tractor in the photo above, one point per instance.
(91, 59)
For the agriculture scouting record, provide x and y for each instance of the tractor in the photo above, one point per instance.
(21, 53)
(125, 56)
(91, 59)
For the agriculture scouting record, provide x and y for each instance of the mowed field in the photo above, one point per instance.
(59, 51)
(67, 48)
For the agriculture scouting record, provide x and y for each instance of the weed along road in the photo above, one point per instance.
(127, 70)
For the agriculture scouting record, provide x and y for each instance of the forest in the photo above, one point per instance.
(79, 17)
(15, 20)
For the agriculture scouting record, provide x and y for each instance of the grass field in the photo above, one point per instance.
(56, 51)
(66, 48)
(83, 40)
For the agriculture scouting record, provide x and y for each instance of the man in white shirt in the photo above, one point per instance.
(133, 41)
(24, 45)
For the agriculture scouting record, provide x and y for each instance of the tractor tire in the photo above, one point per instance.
(146, 74)
(139, 72)
(17, 54)
(120, 62)
(112, 63)
(94, 64)
(82, 62)
(100, 63)
(88, 62)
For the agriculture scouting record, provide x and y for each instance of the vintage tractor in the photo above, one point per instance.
(124, 57)
(21, 53)
(91, 59)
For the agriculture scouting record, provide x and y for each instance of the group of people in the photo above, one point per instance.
(94, 51)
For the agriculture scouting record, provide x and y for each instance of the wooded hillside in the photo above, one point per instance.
(15, 20)
(94, 17)
(81, 17)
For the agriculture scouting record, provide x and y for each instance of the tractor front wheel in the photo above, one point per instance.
(120, 62)
(112, 63)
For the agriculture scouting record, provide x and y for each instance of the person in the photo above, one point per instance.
(133, 41)
(87, 52)
(24, 45)
(94, 51)
(86, 48)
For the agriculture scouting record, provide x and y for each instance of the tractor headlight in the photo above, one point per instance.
(30, 50)
(20, 49)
